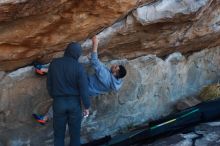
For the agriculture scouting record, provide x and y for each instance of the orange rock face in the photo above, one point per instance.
(32, 29)
(40, 30)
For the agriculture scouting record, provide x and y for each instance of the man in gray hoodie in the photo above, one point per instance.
(104, 80)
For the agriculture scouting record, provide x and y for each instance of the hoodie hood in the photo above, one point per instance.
(73, 50)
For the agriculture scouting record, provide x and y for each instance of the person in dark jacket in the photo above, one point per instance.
(67, 84)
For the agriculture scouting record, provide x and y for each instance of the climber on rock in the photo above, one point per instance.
(102, 81)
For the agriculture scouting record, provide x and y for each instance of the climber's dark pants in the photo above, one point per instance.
(67, 110)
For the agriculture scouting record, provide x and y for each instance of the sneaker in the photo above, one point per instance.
(39, 118)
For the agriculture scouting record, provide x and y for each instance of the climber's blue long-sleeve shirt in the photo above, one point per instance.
(103, 80)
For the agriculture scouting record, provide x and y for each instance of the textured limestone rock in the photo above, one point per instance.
(31, 30)
(150, 90)
(40, 30)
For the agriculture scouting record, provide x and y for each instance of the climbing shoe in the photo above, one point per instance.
(40, 119)
(40, 69)
(40, 72)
